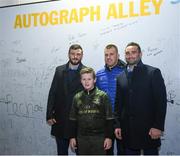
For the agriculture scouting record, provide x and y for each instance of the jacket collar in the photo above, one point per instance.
(78, 69)
(90, 92)
(120, 64)
(139, 65)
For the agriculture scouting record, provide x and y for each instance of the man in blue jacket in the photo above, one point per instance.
(106, 79)
(140, 105)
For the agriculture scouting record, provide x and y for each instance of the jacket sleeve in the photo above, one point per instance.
(160, 99)
(51, 97)
(73, 119)
(117, 110)
(109, 118)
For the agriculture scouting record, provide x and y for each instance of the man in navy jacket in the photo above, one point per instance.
(140, 105)
(66, 83)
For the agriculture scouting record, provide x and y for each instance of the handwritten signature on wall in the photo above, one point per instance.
(20, 109)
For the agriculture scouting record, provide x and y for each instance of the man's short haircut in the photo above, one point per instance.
(109, 46)
(75, 47)
(88, 70)
(134, 44)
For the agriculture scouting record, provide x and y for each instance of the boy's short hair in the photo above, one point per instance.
(87, 70)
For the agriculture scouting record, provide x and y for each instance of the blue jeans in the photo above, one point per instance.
(62, 146)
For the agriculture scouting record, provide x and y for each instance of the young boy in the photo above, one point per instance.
(91, 118)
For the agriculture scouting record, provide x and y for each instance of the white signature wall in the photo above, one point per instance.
(35, 38)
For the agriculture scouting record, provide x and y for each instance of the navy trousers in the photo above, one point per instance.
(62, 146)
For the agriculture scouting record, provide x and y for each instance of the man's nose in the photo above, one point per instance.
(108, 56)
(75, 56)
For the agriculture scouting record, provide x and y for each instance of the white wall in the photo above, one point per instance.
(28, 57)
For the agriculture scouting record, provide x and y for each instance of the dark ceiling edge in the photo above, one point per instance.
(28, 3)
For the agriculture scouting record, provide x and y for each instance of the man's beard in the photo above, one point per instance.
(134, 62)
(74, 62)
